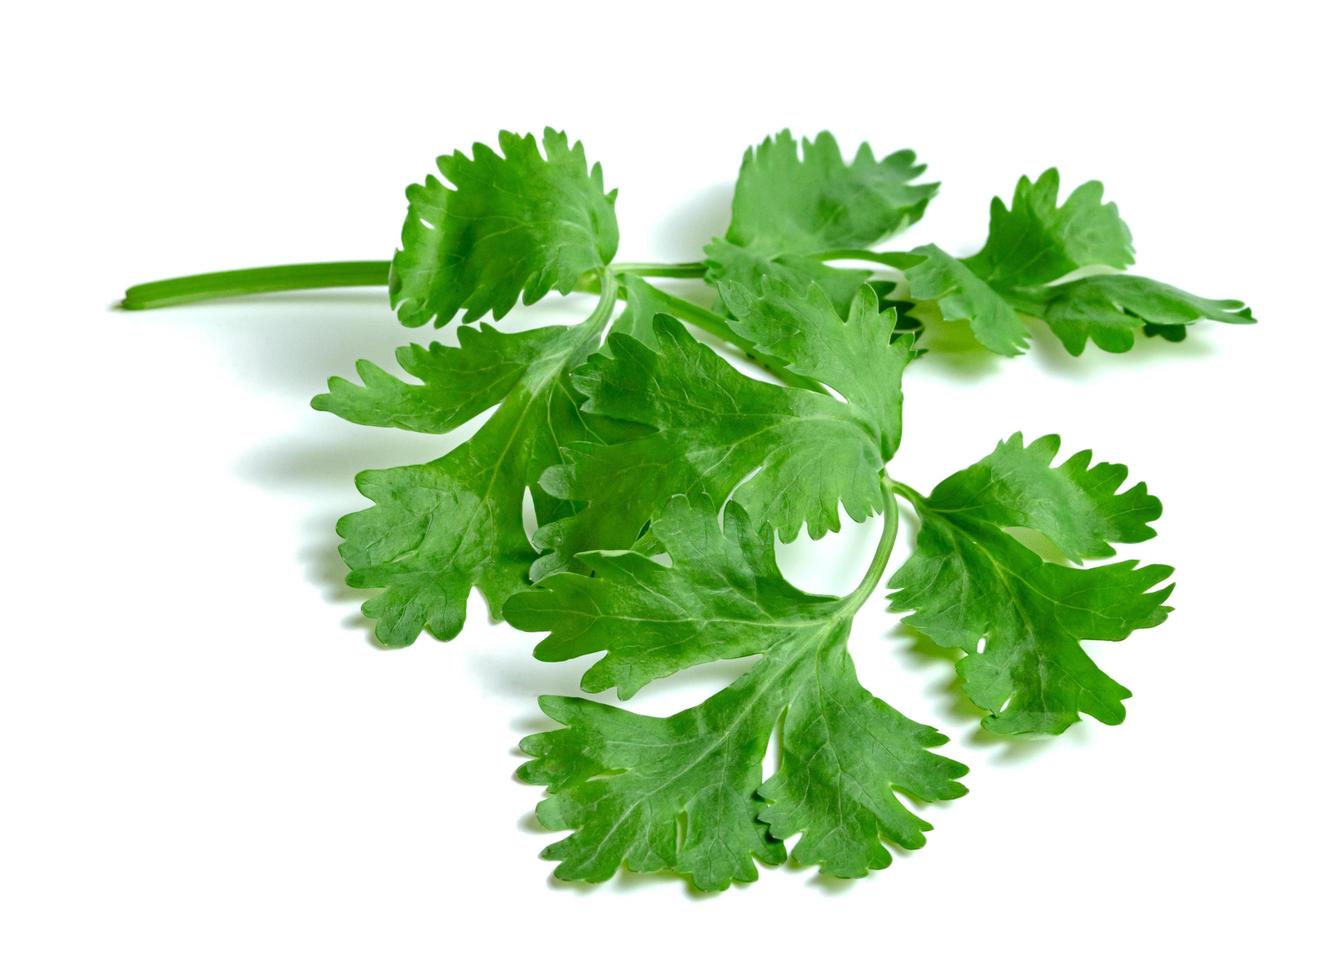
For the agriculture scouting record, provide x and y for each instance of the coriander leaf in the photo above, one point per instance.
(786, 204)
(1109, 309)
(790, 457)
(655, 620)
(961, 295)
(787, 208)
(504, 226)
(458, 382)
(1018, 618)
(843, 751)
(1075, 505)
(727, 262)
(1037, 240)
(625, 782)
(860, 358)
(440, 528)
(642, 303)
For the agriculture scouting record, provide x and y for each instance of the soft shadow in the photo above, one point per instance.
(822, 882)
(325, 567)
(527, 677)
(290, 343)
(688, 228)
(314, 458)
(1093, 361)
(626, 881)
(531, 723)
(949, 689)
(320, 469)
(955, 703)
(832, 885)
(949, 349)
(1010, 750)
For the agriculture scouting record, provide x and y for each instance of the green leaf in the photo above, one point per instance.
(504, 226)
(643, 302)
(788, 203)
(843, 751)
(1018, 618)
(793, 202)
(961, 295)
(1037, 240)
(859, 357)
(727, 262)
(790, 457)
(1108, 310)
(458, 383)
(1075, 505)
(438, 529)
(685, 793)
(1034, 242)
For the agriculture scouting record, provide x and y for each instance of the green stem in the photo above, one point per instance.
(896, 260)
(606, 304)
(890, 523)
(661, 270)
(242, 282)
(320, 275)
(901, 489)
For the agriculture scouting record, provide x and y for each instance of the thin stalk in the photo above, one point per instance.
(908, 492)
(896, 260)
(321, 275)
(606, 304)
(882, 557)
(243, 282)
(661, 270)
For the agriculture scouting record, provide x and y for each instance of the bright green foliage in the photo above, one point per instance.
(794, 202)
(791, 204)
(961, 295)
(642, 304)
(685, 793)
(1038, 241)
(860, 358)
(790, 457)
(458, 383)
(510, 225)
(1108, 310)
(631, 442)
(1019, 618)
(727, 262)
(440, 528)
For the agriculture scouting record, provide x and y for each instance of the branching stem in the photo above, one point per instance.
(900, 489)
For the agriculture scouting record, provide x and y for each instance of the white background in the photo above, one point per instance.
(207, 769)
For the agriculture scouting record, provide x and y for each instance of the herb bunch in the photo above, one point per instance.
(660, 476)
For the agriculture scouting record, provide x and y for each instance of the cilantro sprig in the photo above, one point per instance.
(660, 477)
